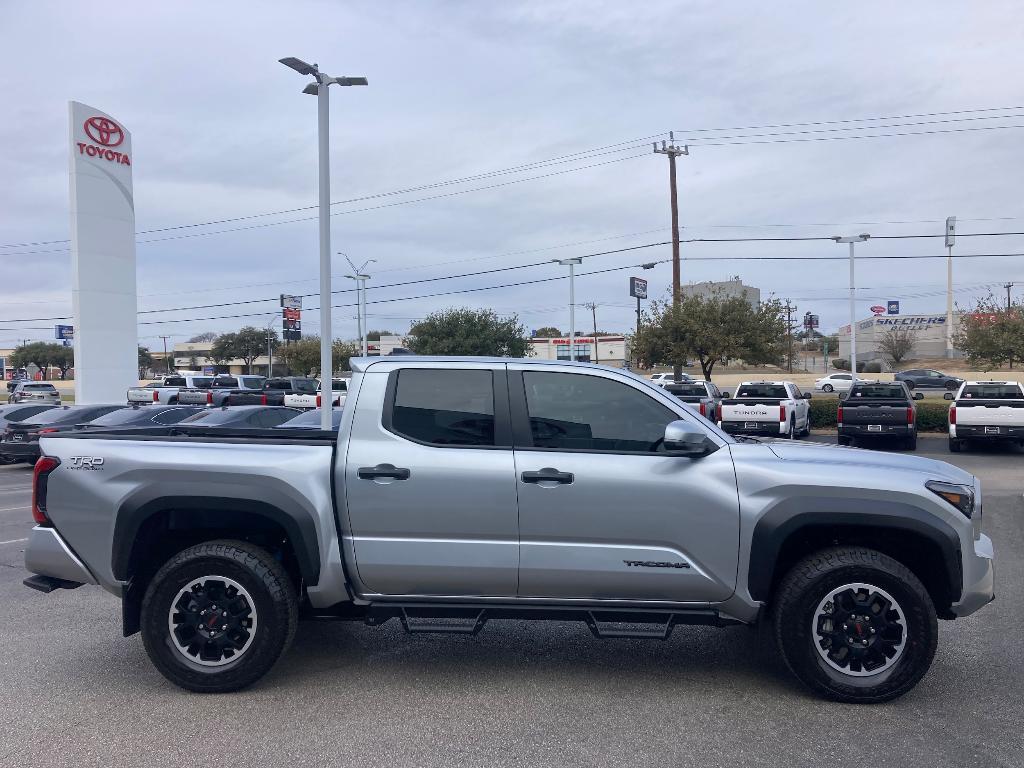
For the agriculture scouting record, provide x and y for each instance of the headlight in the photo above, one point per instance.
(960, 496)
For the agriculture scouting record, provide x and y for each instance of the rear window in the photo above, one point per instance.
(40, 387)
(305, 385)
(444, 407)
(225, 382)
(171, 381)
(202, 383)
(878, 392)
(775, 391)
(686, 390)
(992, 392)
(252, 382)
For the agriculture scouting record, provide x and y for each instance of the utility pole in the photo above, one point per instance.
(950, 240)
(593, 314)
(789, 333)
(1008, 286)
(672, 151)
(167, 363)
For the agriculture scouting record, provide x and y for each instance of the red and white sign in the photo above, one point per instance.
(878, 310)
(104, 134)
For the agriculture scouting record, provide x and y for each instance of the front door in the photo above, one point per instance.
(604, 513)
(430, 482)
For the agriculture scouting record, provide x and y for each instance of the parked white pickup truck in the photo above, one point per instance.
(166, 393)
(767, 408)
(339, 391)
(986, 410)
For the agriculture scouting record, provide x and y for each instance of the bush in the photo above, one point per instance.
(931, 416)
(873, 367)
(841, 364)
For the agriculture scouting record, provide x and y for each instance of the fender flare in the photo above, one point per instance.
(775, 527)
(298, 525)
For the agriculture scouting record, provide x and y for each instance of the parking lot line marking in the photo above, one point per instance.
(12, 489)
(12, 509)
(13, 541)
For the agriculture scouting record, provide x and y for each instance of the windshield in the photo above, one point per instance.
(773, 391)
(219, 416)
(992, 392)
(878, 392)
(125, 416)
(311, 420)
(62, 416)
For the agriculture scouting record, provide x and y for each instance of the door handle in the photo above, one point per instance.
(548, 474)
(383, 470)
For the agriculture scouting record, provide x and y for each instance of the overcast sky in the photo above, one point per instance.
(460, 89)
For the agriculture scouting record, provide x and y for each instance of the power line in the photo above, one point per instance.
(702, 143)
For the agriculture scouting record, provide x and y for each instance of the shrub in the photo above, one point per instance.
(841, 364)
(873, 367)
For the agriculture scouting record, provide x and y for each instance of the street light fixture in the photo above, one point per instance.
(319, 88)
(571, 264)
(852, 240)
(360, 276)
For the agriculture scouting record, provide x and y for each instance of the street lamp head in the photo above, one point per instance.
(299, 65)
(567, 262)
(852, 239)
(649, 265)
(312, 89)
(350, 81)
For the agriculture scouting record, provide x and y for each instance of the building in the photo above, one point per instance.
(929, 336)
(724, 288)
(607, 350)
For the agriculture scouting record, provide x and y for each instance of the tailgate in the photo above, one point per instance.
(244, 398)
(875, 414)
(193, 396)
(300, 401)
(141, 395)
(990, 412)
(754, 410)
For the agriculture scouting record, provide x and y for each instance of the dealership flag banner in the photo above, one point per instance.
(104, 294)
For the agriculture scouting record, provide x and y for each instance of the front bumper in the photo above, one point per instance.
(978, 578)
(48, 555)
(969, 432)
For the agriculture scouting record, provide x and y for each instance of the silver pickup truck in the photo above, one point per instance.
(459, 490)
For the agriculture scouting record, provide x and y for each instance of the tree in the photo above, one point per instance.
(246, 345)
(897, 344)
(992, 335)
(36, 353)
(199, 338)
(548, 332)
(465, 331)
(303, 356)
(343, 351)
(710, 329)
(64, 358)
(145, 361)
(375, 335)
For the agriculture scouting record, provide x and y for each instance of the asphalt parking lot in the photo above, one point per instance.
(73, 692)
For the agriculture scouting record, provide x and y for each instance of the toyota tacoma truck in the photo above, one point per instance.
(878, 409)
(459, 490)
(222, 387)
(986, 411)
(775, 408)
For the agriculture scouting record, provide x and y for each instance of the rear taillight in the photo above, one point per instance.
(209, 398)
(782, 413)
(44, 466)
(318, 401)
(910, 417)
(952, 414)
(703, 409)
(839, 416)
(263, 399)
(46, 431)
(156, 396)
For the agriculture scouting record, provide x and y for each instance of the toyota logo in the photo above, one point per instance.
(104, 131)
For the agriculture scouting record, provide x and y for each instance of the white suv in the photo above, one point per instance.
(661, 379)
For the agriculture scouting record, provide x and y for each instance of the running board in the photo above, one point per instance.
(604, 623)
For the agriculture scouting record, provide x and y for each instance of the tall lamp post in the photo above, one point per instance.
(360, 276)
(319, 89)
(852, 240)
(571, 264)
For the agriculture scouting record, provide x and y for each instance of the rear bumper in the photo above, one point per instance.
(48, 555)
(978, 578)
(887, 430)
(26, 451)
(970, 432)
(757, 428)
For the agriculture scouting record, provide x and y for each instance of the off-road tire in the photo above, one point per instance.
(911, 443)
(955, 445)
(844, 440)
(275, 601)
(810, 580)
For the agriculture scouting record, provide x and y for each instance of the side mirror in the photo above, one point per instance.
(685, 439)
(807, 395)
(947, 396)
(726, 395)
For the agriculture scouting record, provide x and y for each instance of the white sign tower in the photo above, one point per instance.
(103, 292)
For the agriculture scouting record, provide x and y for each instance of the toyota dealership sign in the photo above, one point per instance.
(102, 135)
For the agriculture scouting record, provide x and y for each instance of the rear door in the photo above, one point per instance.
(429, 481)
(604, 513)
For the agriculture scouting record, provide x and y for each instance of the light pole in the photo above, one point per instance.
(360, 276)
(319, 89)
(852, 240)
(571, 264)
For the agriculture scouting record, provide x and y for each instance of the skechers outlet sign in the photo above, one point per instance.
(104, 135)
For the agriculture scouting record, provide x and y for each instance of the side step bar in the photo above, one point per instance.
(604, 623)
(48, 584)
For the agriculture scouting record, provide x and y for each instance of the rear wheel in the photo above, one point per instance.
(218, 615)
(791, 432)
(827, 388)
(911, 442)
(955, 445)
(855, 625)
(845, 440)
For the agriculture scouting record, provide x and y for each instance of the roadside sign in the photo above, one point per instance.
(291, 317)
(291, 302)
(950, 231)
(878, 309)
(64, 332)
(893, 307)
(638, 287)
(811, 321)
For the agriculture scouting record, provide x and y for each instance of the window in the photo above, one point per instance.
(588, 413)
(171, 381)
(173, 415)
(843, 377)
(879, 391)
(40, 387)
(444, 407)
(686, 390)
(202, 383)
(935, 375)
(305, 385)
(769, 391)
(993, 392)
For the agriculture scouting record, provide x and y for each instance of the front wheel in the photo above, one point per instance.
(827, 388)
(218, 615)
(855, 625)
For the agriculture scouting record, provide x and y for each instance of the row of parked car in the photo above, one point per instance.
(991, 411)
(189, 389)
(23, 424)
